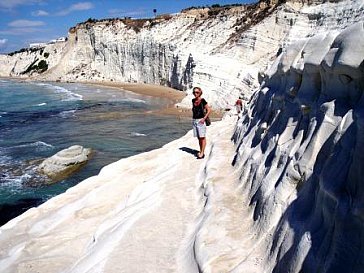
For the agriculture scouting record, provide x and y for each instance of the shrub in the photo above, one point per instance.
(40, 68)
(33, 49)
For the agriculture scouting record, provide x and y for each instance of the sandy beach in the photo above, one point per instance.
(153, 90)
(145, 89)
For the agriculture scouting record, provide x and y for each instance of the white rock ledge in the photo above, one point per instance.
(140, 214)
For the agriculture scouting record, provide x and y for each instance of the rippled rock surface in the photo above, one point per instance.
(301, 156)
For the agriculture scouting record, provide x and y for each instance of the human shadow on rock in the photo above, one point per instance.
(189, 150)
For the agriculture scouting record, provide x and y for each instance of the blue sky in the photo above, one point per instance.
(31, 21)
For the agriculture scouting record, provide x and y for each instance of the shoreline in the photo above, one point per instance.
(174, 96)
(143, 89)
(139, 88)
(153, 90)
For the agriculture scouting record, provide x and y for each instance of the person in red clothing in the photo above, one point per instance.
(239, 105)
(200, 111)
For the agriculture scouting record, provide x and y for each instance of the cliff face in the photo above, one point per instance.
(301, 158)
(25, 63)
(221, 49)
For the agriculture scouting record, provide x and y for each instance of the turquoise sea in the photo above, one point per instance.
(38, 119)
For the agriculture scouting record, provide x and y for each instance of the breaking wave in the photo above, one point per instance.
(68, 95)
(137, 134)
(67, 114)
(38, 145)
(130, 100)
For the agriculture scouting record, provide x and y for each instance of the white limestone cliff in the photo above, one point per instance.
(300, 156)
(223, 52)
(285, 195)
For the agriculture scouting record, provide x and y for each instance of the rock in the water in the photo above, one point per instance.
(65, 162)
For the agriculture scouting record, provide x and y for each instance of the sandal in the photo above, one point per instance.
(201, 157)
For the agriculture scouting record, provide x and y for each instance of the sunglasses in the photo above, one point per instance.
(196, 92)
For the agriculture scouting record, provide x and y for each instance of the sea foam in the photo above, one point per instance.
(68, 95)
(38, 145)
(137, 134)
(133, 100)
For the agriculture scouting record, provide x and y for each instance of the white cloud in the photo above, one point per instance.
(21, 27)
(3, 41)
(10, 4)
(76, 7)
(82, 6)
(40, 13)
(25, 24)
(19, 31)
(123, 13)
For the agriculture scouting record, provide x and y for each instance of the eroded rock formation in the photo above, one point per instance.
(301, 156)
